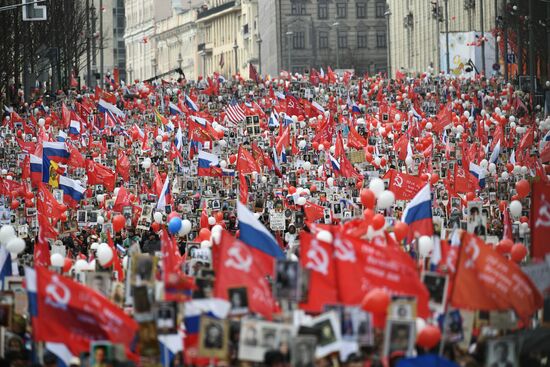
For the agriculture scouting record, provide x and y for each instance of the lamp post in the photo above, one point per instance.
(101, 50)
(288, 35)
(482, 29)
(337, 46)
(259, 41)
(388, 44)
(130, 70)
(235, 47)
(447, 52)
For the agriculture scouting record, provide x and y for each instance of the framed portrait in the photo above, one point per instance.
(238, 297)
(437, 287)
(399, 336)
(213, 338)
(143, 269)
(328, 333)
(148, 339)
(287, 280)
(302, 351)
(402, 308)
(166, 317)
(502, 352)
(100, 282)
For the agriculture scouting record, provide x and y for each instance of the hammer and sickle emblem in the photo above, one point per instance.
(398, 181)
(460, 172)
(237, 261)
(318, 258)
(57, 293)
(472, 250)
(343, 250)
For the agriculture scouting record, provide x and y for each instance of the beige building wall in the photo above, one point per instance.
(413, 29)
(140, 28)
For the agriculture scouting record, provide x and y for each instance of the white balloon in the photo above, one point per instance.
(492, 167)
(524, 170)
(484, 163)
(223, 163)
(100, 198)
(524, 226)
(377, 186)
(94, 246)
(211, 221)
(515, 208)
(429, 126)
(321, 147)
(504, 175)
(330, 181)
(100, 219)
(16, 245)
(41, 121)
(425, 246)
(222, 143)
(332, 149)
(159, 139)
(185, 227)
(397, 117)
(157, 217)
(206, 244)
(307, 166)
(324, 236)
(104, 254)
(80, 265)
(301, 201)
(7, 232)
(386, 199)
(57, 260)
(420, 324)
(146, 164)
(302, 144)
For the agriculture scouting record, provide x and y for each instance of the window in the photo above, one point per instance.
(322, 10)
(381, 39)
(299, 40)
(380, 9)
(361, 40)
(298, 8)
(323, 39)
(361, 9)
(342, 40)
(341, 10)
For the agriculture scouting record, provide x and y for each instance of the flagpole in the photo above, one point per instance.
(446, 307)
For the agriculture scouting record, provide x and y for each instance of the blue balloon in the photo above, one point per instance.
(174, 225)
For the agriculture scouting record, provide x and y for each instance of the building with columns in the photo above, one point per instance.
(301, 34)
(415, 30)
(228, 36)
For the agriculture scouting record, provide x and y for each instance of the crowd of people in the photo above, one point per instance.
(315, 219)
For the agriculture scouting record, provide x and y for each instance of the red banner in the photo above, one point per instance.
(404, 186)
(540, 220)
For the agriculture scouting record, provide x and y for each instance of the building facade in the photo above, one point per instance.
(300, 34)
(228, 37)
(415, 30)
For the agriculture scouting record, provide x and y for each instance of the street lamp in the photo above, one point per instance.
(388, 41)
(130, 70)
(337, 46)
(288, 35)
(235, 47)
(259, 41)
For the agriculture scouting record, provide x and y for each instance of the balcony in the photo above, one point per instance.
(217, 9)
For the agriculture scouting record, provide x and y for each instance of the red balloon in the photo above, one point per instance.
(376, 301)
(378, 222)
(428, 337)
(524, 219)
(155, 227)
(368, 214)
(118, 222)
(370, 149)
(171, 216)
(315, 145)
(368, 157)
(518, 252)
(523, 188)
(204, 234)
(470, 196)
(383, 161)
(291, 190)
(401, 230)
(232, 158)
(14, 204)
(509, 167)
(368, 198)
(67, 265)
(434, 178)
(505, 246)
(219, 216)
(312, 188)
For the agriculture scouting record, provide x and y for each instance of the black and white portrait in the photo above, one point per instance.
(400, 336)
(501, 353)
(303, 351)
(239, 300)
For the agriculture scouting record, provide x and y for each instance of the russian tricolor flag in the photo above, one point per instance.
(273, 120)
(206, 162)
(193, 309)
(495, 153)
(72, 191)
(478, 173)
(165, 196)
(61, 136)
(52, 151)
(318, 107)
(355, 108)
(74, 127)
(418, 214)
(36, 170)
(174, 110)
(190, 104)
(104, 106)
(334, 163)
(263, 245)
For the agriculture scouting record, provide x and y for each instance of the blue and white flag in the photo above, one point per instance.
(479, 174)
(495, 153)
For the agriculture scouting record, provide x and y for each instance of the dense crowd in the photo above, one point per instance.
(302, 220)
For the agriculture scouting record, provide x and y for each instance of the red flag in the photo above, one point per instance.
(461, 179)
(29, 146)
(243, 189)
(404, 186)
(292, 106)
(65, 116)
(117, 264)
(527, 141)
(355, 140)
(204, 216)
(236, 263)
(401, 146)
(246, 162)
(122, 200)
(540, 219)
(349, 267)
(70, 313)
(443, 118)
(313, 211)
(76, 159)
(252, 73)
(486, 280)
(26, 167)
(46, 203)
(317, 256)
(100, 175)
(123, 165)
